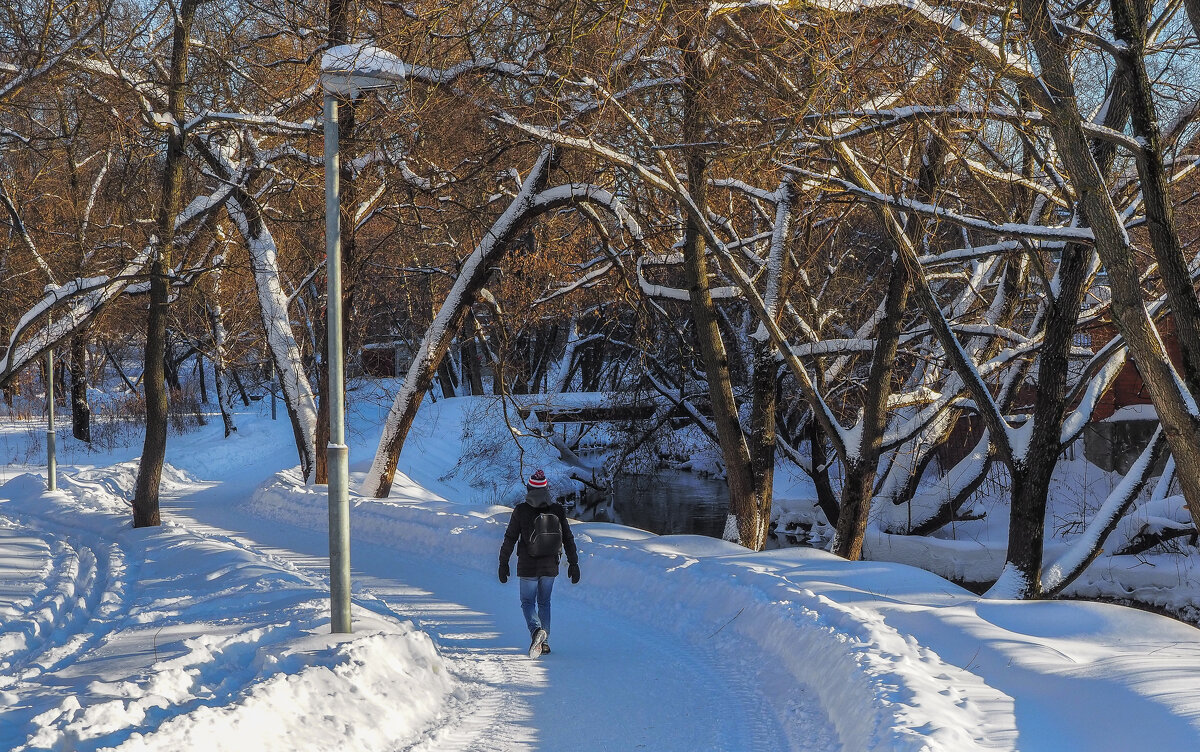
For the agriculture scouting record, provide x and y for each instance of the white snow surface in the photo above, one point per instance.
(211, 632)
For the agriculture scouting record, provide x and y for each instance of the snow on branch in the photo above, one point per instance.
(571, 193)
(587, 280)
(1036, 232)
(974, 253)
(995, 55)
(22, 231)
(889, 118)
(82, 299)
(653, 290)
(1087, 547)
(648, 173)
(746, 188)
(151, 98)
(1076, 421)
(396, 158)
(268, 123)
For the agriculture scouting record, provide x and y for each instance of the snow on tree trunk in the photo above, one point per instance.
(438, 336)
(285, 352)
(1084, 549)
(563, 370)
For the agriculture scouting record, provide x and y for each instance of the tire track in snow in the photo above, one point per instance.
(34, 576)
(83, 587)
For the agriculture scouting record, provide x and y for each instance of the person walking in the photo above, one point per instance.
(539, 531)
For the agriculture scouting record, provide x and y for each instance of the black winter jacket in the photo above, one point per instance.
(520, 525)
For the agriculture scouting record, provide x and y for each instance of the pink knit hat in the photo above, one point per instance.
(538, 480)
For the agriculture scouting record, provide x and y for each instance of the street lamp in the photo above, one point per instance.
(345, 70)
(51, 460)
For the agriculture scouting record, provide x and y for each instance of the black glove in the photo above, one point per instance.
(573, 573)
(503, 571)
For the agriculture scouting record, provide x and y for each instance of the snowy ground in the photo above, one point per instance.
(211, 632)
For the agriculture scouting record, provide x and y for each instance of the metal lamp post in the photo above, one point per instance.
(349, 70)
(337, 453)
(51, 459)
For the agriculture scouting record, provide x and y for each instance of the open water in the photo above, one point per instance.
(664, 502)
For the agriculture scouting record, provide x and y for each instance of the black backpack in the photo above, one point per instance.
(546, 537)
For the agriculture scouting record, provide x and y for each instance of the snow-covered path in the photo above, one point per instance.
(612, 682)
(97, 656)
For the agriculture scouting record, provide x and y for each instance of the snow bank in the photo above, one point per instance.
(319, 692)
(171, 638)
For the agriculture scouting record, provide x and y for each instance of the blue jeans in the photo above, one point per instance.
(536, 589)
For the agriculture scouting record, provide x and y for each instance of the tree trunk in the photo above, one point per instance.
(201, 378)
(1129, 26)
(1193, 12)
(320, 458)
(145, 498)
(1031, 473)
(469, 352)
(81, 409)
(591, 367)
(171, 369)
(545, 338)
(446, 379)
(520, 378)
(237, 381)
(744, 505)
(820, 473)
(765, 383)
(859, 484)
(863, 461)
